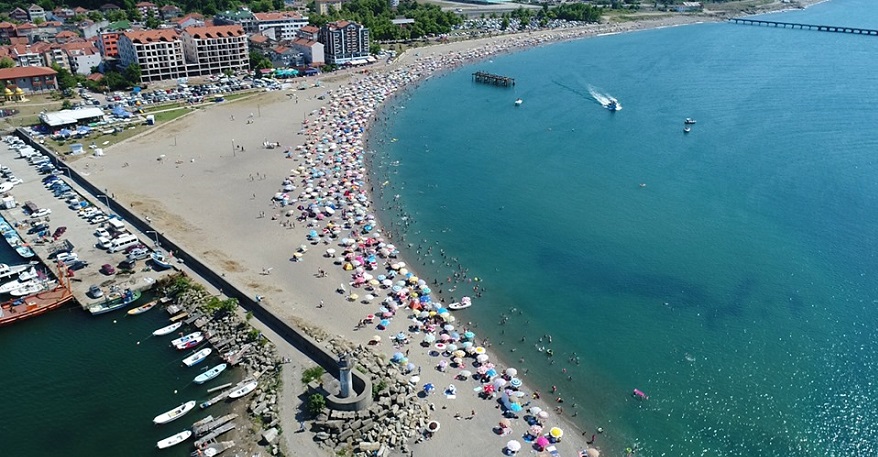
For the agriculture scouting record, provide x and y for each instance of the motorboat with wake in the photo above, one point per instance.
(612, 105)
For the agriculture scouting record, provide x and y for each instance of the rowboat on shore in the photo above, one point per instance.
(144, 308)
(210, 374)
(243, 390)
(176, 439)
(167, 329)
(184, 339)
(198, 357)
(190, 343)
(160, 260)
(175, 413)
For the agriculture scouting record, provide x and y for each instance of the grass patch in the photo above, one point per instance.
(169, 115)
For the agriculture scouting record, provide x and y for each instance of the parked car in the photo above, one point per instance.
(95, 291)
(108, 269)
(37, 228)
(77, 265)
(138, 253)
(98, 218)
(59, 232)
(127, 264)
(42, 212)
(67, 258)
(102, 232)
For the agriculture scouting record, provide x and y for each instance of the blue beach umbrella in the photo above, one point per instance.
(425, 290)
(515, 407)
(384, 323)
(397, 356)
(469, 335)
(515, 382)
(429, 388)
(492, 372)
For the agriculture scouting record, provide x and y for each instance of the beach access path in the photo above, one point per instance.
(206, 181)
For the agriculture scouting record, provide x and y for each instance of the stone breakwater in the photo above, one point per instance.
(241, 346)
(397, 415)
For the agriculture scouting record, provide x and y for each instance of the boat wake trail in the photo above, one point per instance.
(603, 98)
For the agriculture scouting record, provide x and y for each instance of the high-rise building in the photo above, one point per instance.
(344, 42)
(217, 49)
(158, 52)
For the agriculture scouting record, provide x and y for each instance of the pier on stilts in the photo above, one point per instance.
(497, 80)
(796, 25)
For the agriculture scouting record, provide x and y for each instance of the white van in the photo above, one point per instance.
(122, 242)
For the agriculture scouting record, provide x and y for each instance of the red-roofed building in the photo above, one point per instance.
(284, 23)
(26, 55)
(80, 11)
(19, 15)
(65, 36)
(147, 7)
(190, 20)
(259, 41)
(83, 56)
(158, 52)
(36, 13)
(108, 44)
(62, 14)
(7, 30)
(311, 50)
(309, 32)
(170, 11)
(29, 79)
(217, 49)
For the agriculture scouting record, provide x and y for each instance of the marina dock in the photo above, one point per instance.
(206, 427)
(201, 442)
(497, 80)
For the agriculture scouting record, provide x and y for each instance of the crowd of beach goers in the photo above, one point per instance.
(327, 259)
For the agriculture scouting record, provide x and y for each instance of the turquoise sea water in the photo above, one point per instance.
(737, 288)
(79, 385)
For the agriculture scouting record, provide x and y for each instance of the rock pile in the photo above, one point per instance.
(396, 416)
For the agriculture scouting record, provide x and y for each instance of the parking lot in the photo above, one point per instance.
(60, 223)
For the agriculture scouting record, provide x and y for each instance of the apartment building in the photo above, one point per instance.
(108, 43)
(216, 49)
(344, 42)
(158, 52)
(284, 23)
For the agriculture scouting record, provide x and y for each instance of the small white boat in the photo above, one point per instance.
(519, 102)
(686, 130)
(465, 302)
(33, 286)
(210, 374)
(689, 121)
(10, 270)
(190, 343)
(28, 274)
(12, 285)
(176, 439)
(160, 260)
(185, 339)
(6, 187)
(175, 413)
(198, 357)
(168, 329)
(243, 390)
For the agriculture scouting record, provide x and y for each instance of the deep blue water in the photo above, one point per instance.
(736, 287)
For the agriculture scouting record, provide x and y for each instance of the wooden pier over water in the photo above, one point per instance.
(497, 80)
(794, 25)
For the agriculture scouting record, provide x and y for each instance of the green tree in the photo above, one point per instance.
(258, 61)
(133, 74)
(114, 80)
(66, 104)
(65, 79)
(316, 403)
(312, 374)
(152, 22)
(6, 62)
(95, 16)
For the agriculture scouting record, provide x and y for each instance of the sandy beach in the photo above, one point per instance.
(213, 181)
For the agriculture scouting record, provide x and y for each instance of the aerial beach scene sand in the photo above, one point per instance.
(318, 253)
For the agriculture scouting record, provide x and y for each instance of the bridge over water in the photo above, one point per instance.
(794, 25)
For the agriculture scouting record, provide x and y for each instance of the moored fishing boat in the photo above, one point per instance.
(31, 287)
(175, 439)
(184, 339)
(175, 413)
(34, 305)
(191, 343)
(114, 301)
(144, 308)
(167, 329)
(14, 240)
(198, 357)
(243, 390)
(210, 374)
(7, 271)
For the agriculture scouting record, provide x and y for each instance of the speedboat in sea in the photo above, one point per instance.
(176, 439)
(518, 102)
(198, 357)
(243, 390)
(686, 130)
(175, 413)
(210, 374)
(689, 121)
(612, 105)
(465, 302)
(186, 339)
(144, 308)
